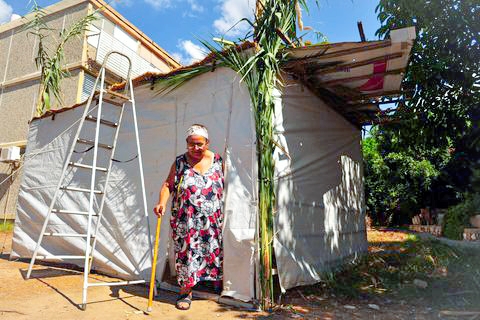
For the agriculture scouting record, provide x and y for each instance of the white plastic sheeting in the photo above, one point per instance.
(319, 219)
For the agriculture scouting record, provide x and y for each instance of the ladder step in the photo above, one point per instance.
(113, 97)
(91, 143)
(82, 213)
(115, 283)
(80, 189)
(61, 257)
(69, 235)
(116, 103)
(102, 121)
(86, 166)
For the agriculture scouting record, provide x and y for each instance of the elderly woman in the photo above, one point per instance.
(196, 183)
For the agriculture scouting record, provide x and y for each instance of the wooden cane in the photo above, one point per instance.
(154, 265)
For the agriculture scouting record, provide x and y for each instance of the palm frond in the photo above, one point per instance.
(172, 81)
(260, 71)
(51, 62)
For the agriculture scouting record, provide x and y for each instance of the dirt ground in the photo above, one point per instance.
(54, 293)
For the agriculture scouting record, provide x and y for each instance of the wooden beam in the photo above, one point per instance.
(285, 38)
(359, 103)
(365, 107)
(323, 55)
(363, 98)
(364, 77)
(352, 65)
(209, 296)
(360, 31)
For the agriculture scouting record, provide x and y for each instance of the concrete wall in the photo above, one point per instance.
(9, 190)
(16, 108)
(19, 85)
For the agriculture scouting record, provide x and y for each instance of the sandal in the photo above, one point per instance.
(217, 287)
(184, 298)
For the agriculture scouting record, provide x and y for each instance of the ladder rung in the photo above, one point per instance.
(115, 283)
(61, 257)
(116, 95)
(114, 98)
(83, 213)
(80, 189)
(116, 103)
(69, 235)
(102, 121)
(90, 142)
(86, 166)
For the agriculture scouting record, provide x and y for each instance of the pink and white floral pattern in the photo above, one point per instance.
(197, 222)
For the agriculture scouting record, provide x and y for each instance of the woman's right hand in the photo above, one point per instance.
(159, 210)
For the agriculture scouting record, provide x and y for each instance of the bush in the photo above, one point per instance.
(396, 183)
(458, 216)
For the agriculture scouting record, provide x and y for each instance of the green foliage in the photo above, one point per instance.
(430, 146)
(51, 61)
(259, 68)
(442, 79)
(457, 217)
(395, 182)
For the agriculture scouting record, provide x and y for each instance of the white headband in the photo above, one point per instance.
(197, 131)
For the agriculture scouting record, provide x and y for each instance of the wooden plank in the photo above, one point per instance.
(285, 38)
(363, 77)
(339, 53)
(351, 65)
(210, 296)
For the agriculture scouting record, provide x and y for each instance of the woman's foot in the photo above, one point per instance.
(217, 286)
(184, 300)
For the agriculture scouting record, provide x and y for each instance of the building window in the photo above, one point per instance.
(88, 82)
(93, 36)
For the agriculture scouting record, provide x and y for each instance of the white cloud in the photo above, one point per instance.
(159, 4)
(195, 6)
(15, 17)
(117, 3)
(178, 56)
(191, 52)
(232, 12)
(5, 12)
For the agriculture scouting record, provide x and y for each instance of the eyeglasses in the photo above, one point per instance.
(199, 145)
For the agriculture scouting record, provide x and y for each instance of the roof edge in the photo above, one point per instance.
(51, 9)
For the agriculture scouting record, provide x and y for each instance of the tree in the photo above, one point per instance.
(438, 123)
(396, 183)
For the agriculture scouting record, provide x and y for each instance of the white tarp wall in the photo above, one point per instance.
(320, 192)
(216, 100)
(320, 219)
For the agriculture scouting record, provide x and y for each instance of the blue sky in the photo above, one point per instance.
(177, 24)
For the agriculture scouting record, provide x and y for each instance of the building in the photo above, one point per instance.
(19, 77)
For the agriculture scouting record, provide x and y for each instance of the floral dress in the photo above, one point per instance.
(197, 221)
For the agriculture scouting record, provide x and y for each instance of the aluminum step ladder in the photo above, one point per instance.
(114, 100)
